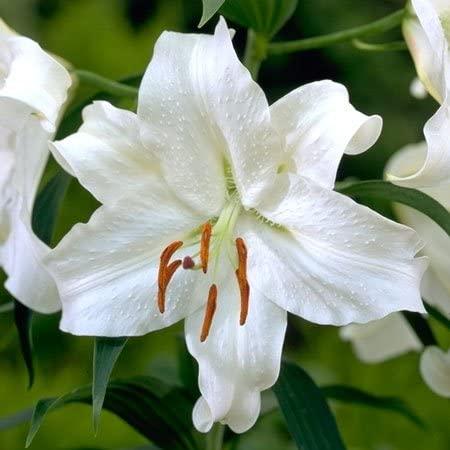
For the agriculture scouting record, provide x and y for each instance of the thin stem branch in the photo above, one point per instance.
(105, 84)
(214, 439)
(255, 52)
(385, 47)
(378, 26)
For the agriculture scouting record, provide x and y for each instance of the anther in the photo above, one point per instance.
(241, 275)
(165, 272)
(204, 246)
(188, 263)
(209, 312)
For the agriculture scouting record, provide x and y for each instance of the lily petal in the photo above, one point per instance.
(382, 339)
(44, 90)
(330, 260)
(236, 362)
(201, 107)
(106, 270)
(320, 125)
(106, 154)
(435, 370)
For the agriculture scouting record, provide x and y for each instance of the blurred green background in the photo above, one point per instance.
(115, 38)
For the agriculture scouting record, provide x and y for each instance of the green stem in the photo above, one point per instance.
(437, 315)
(386, 47)
(214, 439)
(255, 52)
(105, 84)
(379, 26)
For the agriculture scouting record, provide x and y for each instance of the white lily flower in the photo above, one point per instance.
(393, 336)
(242, 193)
(33, 87)
(427, 33)
(435, 370)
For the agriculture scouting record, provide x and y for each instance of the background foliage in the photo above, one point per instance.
(115, 38)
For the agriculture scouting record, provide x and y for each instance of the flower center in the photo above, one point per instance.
(214, 237)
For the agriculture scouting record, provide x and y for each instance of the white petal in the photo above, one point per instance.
(236, 362)
(21, 256)
(333, 261)
(31, 76)
(435, 370)
(106, 270)
(201, 107)
(436, 166)
(106, 154)
(382, 339)
(320, 125)
(428, 44)
(436, 285)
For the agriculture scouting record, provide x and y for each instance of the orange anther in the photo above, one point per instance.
(165, 272)
(241, 274)
(204, 245)
(209, 312)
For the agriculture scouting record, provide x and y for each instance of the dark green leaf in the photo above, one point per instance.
(210, 7)
(106, 352)
(187, 369)
(7, 307)
(263, 16)
(407, 196)
(306, 411)
(437, 315)
(23, 318)
(352, 395)
(158, 411)
(421, 327)
(47, 205)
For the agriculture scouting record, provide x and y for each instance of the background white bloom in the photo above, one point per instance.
(33, 88)
(427, 33)
(435, 370)
(206, 167)
(393, 335)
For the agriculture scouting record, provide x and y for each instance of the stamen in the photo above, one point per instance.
(209, 313)
(188, 263)
(204, 246)
(241, 274)
(165, 273)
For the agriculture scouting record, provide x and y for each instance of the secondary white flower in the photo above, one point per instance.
(427, 32)
(393, 336)
(435, 370)
(207, 171)
(33, 87)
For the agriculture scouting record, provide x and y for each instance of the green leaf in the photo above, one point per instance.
(156, 410)
(106, 352)
(437, 315)
(210, 7)
(7, 307)
(407, 196)
(47, 206)
(23, 319)
(421, 327)
(263, 16)
(187, 369)
(306, 411)
(356, 396)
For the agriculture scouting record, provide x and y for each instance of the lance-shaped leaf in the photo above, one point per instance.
(263, 16)
(156, 410)
(106, 353)
(210, 7)
(308, 416)
(407, 196)
(348, 394)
